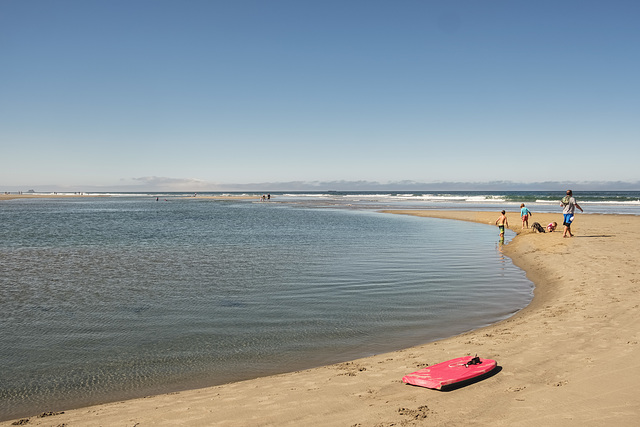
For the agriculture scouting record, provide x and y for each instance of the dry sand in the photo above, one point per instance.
(569, 359)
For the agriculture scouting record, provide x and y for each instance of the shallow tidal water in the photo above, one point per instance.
(111, 298)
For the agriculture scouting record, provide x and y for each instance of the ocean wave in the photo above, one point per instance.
(605, 199)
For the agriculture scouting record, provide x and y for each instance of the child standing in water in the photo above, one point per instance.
(502, 223)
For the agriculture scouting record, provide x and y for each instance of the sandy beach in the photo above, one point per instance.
(570, 358)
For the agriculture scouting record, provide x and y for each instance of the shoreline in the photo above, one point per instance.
(61, 196)
(568, 358)
(47, 196)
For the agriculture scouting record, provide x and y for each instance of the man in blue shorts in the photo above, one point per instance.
(569, 206)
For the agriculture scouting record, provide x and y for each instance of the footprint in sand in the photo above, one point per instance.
(417, 414)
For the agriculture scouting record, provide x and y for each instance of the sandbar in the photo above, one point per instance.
(65, 195)
(46, 196)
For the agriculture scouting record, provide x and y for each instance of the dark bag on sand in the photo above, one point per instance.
(537, 227)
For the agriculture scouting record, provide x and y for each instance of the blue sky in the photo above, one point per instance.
(217, 95)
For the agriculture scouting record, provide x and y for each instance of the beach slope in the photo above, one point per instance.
(572, 357)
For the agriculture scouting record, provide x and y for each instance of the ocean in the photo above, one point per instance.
(108, 298)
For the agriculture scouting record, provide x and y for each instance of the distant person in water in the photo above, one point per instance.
(525, 213)
(502, 223)
(569, 206)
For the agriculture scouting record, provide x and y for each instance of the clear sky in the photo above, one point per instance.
(212, 95)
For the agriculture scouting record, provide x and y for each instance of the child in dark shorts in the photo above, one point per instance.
(502, 223)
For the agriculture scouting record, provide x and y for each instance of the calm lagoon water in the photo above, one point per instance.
(110, 298)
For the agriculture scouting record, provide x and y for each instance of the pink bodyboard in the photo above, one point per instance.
(450, 372)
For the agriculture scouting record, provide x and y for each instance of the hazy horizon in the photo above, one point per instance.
(173, 185)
